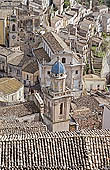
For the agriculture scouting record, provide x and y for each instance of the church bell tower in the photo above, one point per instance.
(57, 99)
(12, 34)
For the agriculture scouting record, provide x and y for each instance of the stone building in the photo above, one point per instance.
(3, 65)
(30, 74)
(86, 28)
(106, 117)
(59, 5)
(11, 90)
(106, 23)
(15, 62)
(12, 31)
(55, 47)
(57, 22)
(18, 113)
(70, 17)
(86, 112)
(9, 61)
(2, 31)
(103, 9)
(57, 99)
(93, 82)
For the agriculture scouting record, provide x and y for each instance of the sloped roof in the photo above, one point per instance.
(19, 110)
(32, 67)
(40, 54)
(89, 102)
(16, 60)
(52, 42)
(55, 42)
(13, 57)
(9, 85)
(85, 24)
(82, 150)
(12, 125)
(5, 51)
(93, 77)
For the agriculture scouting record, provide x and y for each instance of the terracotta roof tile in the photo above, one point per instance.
(9, 85)
(19, 110)
(83, 150)
(40, 54)
(52, 41)
(32, 67)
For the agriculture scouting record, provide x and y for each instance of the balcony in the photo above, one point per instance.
(57, 94)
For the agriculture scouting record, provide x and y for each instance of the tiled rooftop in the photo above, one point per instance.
(19, 110)
(16, 59)
(5, 51)
(87, 113)
(13, 126)
(32, 67)
(54, 42)
(85, 150)
(40, 54)
(88, 101)
(9, 85)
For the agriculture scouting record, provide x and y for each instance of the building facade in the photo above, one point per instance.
(106, 23)
(55, 47)
(57, 99)
(11, 90)
(93, 82)
(106, 117)
(12, 30)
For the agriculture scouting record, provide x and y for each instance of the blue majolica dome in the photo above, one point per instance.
(58, 68)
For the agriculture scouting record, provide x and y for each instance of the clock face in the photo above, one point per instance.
(13, 36)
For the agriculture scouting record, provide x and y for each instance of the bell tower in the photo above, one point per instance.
(12, 30)
(57, 99)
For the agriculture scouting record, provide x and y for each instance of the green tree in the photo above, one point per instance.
(66, 3)
(108, 3)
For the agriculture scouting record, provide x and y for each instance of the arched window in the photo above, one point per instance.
(63, 60)
(49, 106)
(13, 27)
(61, 108)
(76, 71)
(98, 86)
(27, 77)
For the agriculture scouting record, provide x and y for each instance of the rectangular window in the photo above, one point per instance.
(12, 97)
(29, 83)
(48, 51)
(91, 86)
(48, 106)
(48, 72)
(18, 72)
(19, 93)
(98, 86)
(76, 71)
(10, 70)
(24, 81)
(63, 60)
(3, 68)
(61, 108)
(27, 77)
